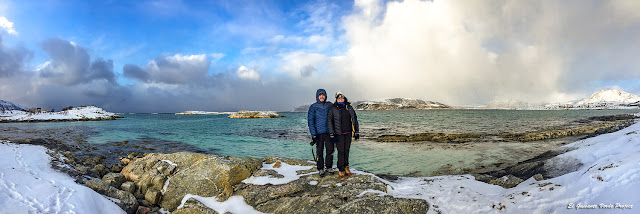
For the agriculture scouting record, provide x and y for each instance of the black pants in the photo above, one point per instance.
(324, 142)
(344, 144)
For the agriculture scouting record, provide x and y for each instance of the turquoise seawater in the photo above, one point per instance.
(288, 136)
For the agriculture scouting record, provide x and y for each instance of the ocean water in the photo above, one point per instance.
(289, 136)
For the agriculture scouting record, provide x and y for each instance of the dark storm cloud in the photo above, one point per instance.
(135, 72)
(102, 69)
(70, 64)
(177, 69)
(12, 59)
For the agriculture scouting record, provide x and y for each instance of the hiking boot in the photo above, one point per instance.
(330, 171)
(341, 174)
(323, 173)
(348, 172)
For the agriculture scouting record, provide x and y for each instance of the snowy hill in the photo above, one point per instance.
(302, 108)
(74, 114)
(604, 99)
(610, 96)
(7, 108)
(398, 104)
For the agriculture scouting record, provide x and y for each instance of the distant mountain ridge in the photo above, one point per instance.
(388, 104)
(610, 96)
(398, 104)
(603, 99)
(9, 106)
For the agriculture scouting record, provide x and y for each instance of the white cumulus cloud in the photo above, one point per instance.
(462, 52)
(247, 74)
(7, 25)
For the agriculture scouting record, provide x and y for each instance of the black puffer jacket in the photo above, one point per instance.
(333, 119)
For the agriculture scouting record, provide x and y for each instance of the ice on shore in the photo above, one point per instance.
(78, 113)
(29, 185)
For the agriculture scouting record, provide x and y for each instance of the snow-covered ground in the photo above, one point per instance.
(29, 185)
(78, 113)
(608, 181)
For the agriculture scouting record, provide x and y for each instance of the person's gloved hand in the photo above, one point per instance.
(356, 136)
(314, 140)
(332, 137)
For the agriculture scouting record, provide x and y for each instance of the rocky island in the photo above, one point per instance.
(255, 114)
(10, 112)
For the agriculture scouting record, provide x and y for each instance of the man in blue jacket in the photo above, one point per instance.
(317, 119)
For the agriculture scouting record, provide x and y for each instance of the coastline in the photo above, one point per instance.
(88, 162)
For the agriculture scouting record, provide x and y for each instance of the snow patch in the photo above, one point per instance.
(378, 192)
(169, 162)
(288, 171)
(313, 183)
(166, 184)
(29, 185)
(235, 204)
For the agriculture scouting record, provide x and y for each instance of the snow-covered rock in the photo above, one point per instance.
(398, 104)
(610, 96)
(201, 112)
(254, 114)
(74, 114)
(29, 185)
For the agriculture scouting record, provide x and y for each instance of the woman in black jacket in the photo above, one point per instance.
(342, 123)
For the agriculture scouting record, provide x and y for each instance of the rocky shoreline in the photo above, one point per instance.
(589, 127)
(147, 182)
(155, 182)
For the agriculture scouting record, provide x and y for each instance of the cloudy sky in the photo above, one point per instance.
(173, 55)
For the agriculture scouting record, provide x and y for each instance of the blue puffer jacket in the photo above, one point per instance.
(317, 115)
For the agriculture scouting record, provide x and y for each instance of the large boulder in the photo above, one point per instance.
(189, 173)
(312, 194)
(127, 201)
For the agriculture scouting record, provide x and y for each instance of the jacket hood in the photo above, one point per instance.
(318, 94)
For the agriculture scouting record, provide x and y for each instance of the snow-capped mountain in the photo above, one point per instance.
(604, 99)
(610, 96)
(8, 106)
(398, 104)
